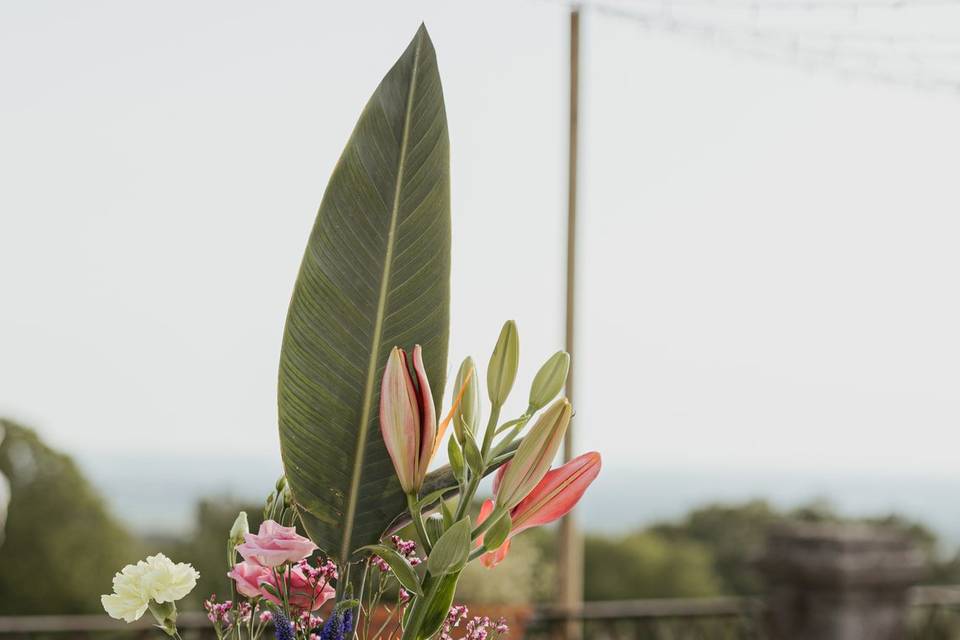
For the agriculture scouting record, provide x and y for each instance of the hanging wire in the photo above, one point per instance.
(929, 61)
(801, 5)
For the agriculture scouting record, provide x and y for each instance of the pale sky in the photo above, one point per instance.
(769, 256)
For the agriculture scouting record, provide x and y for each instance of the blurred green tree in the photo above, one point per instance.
(734, 537)
(647, 565)
(61, 546)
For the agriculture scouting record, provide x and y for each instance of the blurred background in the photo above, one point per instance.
(767, 308)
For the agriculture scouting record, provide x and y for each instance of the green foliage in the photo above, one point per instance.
(402, 570)
(443, 591)
(647, 565)
(62, 546)
(734, 536)
(450, 553)
(376, 274)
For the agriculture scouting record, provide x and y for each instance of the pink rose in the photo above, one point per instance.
(303, 594)
(248, 576)
(274, 545)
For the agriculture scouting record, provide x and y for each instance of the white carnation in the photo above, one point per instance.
(157, 578)
(168, 582)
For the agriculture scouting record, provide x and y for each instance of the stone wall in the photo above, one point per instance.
(839, 582)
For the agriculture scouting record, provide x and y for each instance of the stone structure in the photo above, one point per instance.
(839, 582)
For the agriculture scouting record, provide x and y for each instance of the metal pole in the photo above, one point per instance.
(570, 561)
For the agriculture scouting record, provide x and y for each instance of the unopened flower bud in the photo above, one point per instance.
(408, 419)
(468, 411)
(240, 528)
(534, 455)
(502, 370)
(549, 380)
(434, 526)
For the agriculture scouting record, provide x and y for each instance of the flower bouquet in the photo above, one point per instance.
(362, 377)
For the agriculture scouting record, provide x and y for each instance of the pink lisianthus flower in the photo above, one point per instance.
(274, 545)
(248, 576)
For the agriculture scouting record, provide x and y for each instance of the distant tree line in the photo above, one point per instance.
(62, 545)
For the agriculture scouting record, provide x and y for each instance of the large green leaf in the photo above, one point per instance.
(375, 274)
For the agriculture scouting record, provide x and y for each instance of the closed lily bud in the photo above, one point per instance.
(502, 370)
(408, 419)
(239, 529)
(552, 498)
(549, 380)
(468, 411)
(534, 455)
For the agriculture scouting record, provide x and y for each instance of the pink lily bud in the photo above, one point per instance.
(554, 497)
(558, 492)
(534, 455)
(408, 419)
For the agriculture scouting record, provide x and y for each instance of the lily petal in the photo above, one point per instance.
(400, 418)
(557, 493)
(428, 414)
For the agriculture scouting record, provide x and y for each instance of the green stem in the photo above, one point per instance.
(420, 609)
(467, 497)
(490, 432)
(418, 522)
(510, 437)
(476, 553)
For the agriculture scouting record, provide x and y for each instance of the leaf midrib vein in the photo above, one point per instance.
(378, 325)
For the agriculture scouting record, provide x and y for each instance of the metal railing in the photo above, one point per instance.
(935, 615)
(193, 625)
(693, 619)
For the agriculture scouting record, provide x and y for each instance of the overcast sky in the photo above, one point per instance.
(769, 265)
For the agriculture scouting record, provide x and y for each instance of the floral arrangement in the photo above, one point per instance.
(360, 425)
